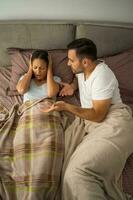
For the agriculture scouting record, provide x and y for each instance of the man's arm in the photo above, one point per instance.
(96, 114)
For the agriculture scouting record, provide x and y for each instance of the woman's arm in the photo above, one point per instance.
(23, 85)
(52, 85)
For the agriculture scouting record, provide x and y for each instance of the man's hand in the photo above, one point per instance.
(67, 89)
(58, 106)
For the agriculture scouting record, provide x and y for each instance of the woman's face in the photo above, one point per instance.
(39, 67)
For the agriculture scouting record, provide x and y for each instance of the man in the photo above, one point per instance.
(95, 166)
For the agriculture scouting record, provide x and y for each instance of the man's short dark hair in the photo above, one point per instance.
(84, 48)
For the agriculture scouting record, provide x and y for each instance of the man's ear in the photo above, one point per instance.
(85, 62)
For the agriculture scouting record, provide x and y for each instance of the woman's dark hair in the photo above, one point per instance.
(84, 48)
(41, 54)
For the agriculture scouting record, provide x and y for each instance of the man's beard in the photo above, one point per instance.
(78, 71)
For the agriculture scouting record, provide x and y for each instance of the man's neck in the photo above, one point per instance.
(88, 70)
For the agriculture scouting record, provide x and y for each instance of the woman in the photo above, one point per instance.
(39, 82)
(38, 143)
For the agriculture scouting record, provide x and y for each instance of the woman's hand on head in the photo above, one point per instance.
(30, 65)
(49, 72)
(50, 62)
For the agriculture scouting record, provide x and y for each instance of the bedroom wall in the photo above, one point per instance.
(92, 10)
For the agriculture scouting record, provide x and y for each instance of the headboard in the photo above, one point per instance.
(109, 38)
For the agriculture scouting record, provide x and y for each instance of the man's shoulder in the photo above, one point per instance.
(103, 70)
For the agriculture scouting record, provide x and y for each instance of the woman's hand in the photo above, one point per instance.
(24, 84)
(49, 72)
(50, 61)
(30, 65)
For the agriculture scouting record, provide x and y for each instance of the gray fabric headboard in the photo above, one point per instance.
(110, 39)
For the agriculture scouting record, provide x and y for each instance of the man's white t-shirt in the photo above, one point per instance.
(36, 92)
(101, 84)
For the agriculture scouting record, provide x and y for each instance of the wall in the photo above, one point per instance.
(92, 10)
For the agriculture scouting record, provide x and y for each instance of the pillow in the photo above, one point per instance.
(122, 66)
(5, 73)
(20, 64)
(127, 176)
(7, 101)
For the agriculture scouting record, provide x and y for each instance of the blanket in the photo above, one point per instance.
(32, 148)
(102, 150)
(31, 151)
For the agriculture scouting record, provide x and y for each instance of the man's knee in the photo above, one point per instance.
(81, 183)
(70, 172)
(89, 166)
(77, 171)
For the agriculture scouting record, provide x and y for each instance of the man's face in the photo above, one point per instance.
(74, 62)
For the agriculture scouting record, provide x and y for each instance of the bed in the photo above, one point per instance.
(17, 41)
